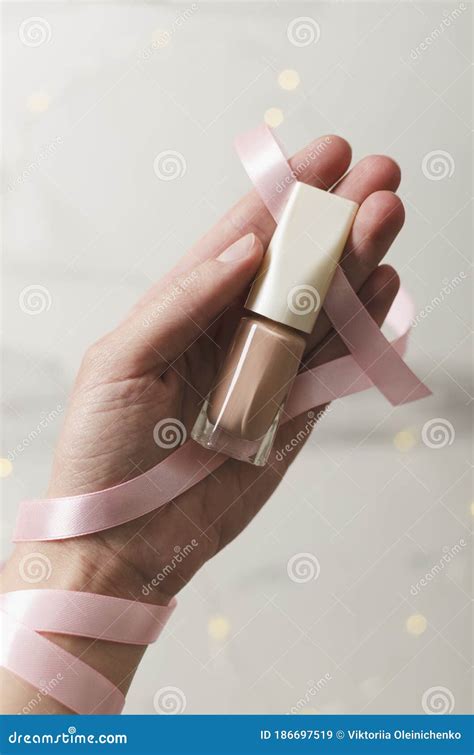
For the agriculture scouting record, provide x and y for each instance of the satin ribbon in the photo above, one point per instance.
(87, 614)
(274, 179)
(373, 361)
(53, 670)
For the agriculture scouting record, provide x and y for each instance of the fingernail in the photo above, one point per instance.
(238, 250)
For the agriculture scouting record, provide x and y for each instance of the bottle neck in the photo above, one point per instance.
(275, 324)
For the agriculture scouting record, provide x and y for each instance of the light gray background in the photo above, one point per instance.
(93, 225)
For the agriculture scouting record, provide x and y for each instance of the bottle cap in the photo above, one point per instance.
(298, 266)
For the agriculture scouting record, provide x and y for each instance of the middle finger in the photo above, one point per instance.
(371, 184)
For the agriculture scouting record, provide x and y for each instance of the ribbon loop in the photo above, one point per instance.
(273, 178)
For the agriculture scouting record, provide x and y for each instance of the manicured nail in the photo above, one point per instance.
(238, 250)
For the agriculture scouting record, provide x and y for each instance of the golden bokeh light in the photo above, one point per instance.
(288, 79)
(273, 117)
(404, 441)
(307, 711)
(218, 628)
(38, 102)
(6, 467)
(416, 624)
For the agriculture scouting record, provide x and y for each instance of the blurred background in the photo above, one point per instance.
(350, 591)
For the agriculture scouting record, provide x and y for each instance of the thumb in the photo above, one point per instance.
(160, 330)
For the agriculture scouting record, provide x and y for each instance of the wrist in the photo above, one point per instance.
(83, 565)
(105, 563)
(148, 559)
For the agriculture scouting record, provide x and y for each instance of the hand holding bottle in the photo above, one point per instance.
(155, 369)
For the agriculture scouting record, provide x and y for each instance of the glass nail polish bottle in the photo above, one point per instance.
(241, 414)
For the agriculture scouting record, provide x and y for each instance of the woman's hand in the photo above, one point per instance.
(147, 379)
(151, 374)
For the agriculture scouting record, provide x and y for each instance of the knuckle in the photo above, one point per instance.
(94, 354)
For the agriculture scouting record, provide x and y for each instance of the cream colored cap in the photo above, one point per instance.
(297, 269)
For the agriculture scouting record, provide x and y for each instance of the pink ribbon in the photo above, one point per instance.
(373, 361)
(97, 616)
(49, 667)
(273, 178)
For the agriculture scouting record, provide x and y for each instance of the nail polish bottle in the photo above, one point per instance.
(240, 416)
